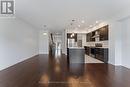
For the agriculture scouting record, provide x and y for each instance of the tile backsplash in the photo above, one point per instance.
(104, 43)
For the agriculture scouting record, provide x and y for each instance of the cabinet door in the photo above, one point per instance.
(87, 50)
(106, 55)
(97, 53)
(103, 33)
(92, 34)
(88, 37)
(106, 33)
(102, 54)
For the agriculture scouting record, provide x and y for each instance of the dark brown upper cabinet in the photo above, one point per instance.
(92, 37)
(88, 37)
(103, 32)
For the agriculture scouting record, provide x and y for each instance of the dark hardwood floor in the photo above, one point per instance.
(48, 71)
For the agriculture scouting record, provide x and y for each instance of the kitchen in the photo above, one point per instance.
(92, 47)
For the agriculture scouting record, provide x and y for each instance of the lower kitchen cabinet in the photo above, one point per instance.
(99, 53)
(87, 50)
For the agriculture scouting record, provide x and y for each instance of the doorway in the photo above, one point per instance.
(56, 44)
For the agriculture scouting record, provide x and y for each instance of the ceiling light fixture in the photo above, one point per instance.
(45, 29)
(44, 33)
(78, 25)
(97, 22)
(82, 21)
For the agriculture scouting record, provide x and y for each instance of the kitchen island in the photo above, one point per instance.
(76, 54)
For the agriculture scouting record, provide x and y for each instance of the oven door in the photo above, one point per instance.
(93, 52)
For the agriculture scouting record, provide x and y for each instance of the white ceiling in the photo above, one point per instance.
(57, 14)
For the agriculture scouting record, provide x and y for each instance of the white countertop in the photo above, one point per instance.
(76, 47)
(97, 47)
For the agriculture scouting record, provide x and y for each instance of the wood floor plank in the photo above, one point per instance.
(49, 71)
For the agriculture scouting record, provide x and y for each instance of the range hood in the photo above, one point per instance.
(96, 35)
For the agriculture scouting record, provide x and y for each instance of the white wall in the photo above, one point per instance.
(63, 42)
(83, 40)
(118, 43)
(126, 42)
(43, 42)
(112, 38)
(18, 41)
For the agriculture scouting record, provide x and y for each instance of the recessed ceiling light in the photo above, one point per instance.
(44, 33)
(83, 21)
(78, 25)
(97, 22)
